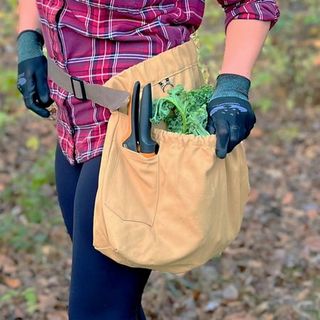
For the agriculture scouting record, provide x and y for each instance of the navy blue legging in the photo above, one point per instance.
(100, 288)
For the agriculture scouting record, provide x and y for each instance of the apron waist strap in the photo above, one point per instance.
(113, 99)
(114, 94)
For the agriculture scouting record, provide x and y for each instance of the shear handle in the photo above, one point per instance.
(147, 144)
(132, 141)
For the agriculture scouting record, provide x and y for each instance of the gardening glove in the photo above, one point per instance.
(230, 115)
(32, 72)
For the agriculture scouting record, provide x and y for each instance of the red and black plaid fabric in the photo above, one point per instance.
(95, 39)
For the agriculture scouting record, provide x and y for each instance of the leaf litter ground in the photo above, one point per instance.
(271, 271)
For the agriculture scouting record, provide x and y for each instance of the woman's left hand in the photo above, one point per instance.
(230, 113)
(231, 119)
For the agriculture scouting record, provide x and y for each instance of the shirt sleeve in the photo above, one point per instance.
(264, 10)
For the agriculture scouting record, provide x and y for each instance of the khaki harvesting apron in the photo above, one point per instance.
(179, 208)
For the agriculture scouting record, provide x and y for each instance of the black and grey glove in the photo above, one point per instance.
(32, 72)
(231, 117)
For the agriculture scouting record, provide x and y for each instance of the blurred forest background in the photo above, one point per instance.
(271, 271)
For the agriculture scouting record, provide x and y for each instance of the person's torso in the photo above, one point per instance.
(111, 35)
(96, 39)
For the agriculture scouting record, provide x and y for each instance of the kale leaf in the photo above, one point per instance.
(184, 111)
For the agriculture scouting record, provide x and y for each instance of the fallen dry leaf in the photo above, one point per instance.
(253, 195)
(256, 132)
(46, 302)
(287, 199)
(312, 214)
(313, 243)
(302, 295)
(13, 283)
(7, 265)
(240, 316)
(230, 292)
(255, 264)
(57, 315)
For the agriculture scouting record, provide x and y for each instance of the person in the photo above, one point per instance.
(93, 41)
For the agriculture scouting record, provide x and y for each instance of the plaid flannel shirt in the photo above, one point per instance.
(95, 39)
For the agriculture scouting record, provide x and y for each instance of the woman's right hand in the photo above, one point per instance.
(32, 73)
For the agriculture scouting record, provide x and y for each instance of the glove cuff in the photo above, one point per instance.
(29, 45)
(231, 85)
(216, 104)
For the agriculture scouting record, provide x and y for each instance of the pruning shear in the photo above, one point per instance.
(140, 113)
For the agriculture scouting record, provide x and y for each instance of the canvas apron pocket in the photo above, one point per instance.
(134, 195)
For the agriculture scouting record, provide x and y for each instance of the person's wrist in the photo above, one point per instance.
(231, 85)
(29, 45)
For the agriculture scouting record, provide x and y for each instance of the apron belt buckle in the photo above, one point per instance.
(78, 88)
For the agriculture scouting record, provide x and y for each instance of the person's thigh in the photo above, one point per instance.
(100, 287)
(66, 179)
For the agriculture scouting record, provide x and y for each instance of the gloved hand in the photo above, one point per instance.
(231, 117)
(32, 72)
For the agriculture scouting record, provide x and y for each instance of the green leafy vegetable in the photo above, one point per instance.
(184, 111)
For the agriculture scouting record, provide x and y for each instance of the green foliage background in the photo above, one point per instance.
(285, 74)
